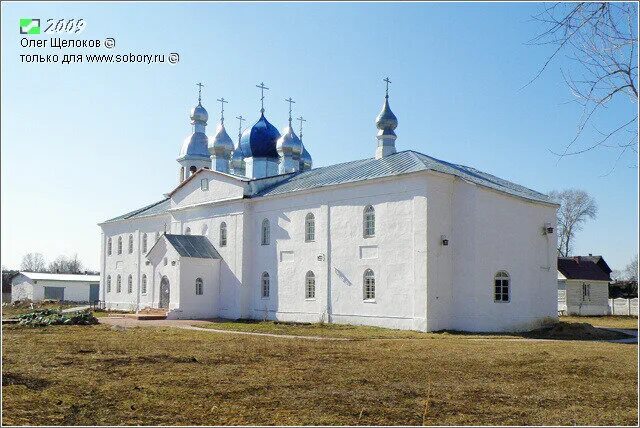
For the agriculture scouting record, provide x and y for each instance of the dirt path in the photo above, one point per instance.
(189, 325)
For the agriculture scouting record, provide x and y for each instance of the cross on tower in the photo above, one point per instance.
(301, 119)
(199, 85)
(290, 101)
(262, 88)
(386, 79)
(240, 119)
(222, 101)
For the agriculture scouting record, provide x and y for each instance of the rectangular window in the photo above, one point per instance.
(501, 290)
(586, 291)
(199, 289)
(204, 184)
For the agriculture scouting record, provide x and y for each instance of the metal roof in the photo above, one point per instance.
(151, 209)
(393, 165)
(193, 246)
(582, 268)
(365, 169)
(67, 277)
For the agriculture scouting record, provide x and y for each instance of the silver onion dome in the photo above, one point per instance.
(237, 159)
(221, 144)
(289, 143)
(195, 145)
(386, 121)
(306, 162)
(199, 114)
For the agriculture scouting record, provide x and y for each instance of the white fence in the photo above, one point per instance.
(623, 306)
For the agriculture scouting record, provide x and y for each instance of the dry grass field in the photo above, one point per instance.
(165, 376)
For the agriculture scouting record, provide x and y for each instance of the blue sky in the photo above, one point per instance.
(82, 143)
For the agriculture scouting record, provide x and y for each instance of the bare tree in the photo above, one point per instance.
(63, 264)
(600, 39)
(33, 262)
(576, 206)
(631, 271)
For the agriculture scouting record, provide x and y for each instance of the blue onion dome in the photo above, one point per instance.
(289, 144)
(221, 145)
(306, 162)
(199, 114)
(195, 145)
(386, 120)
(260, 140)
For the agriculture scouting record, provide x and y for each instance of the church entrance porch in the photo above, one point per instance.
(186, 269)
(165, 293)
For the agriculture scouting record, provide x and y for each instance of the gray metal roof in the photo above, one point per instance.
(193, 246)
(393, 165)
(365, 169)
(151, 209)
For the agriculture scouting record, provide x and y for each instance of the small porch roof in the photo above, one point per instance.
(196, 246)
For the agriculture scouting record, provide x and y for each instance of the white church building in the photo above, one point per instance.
(399, 240)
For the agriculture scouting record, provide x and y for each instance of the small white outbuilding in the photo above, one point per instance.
(583, 285)
(54, 286)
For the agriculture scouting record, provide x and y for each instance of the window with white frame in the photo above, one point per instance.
(310, 286)
(108, 283)
(143, 285)
(369, 222)
(265, 231)
(130, 284)
(130, 244)
(501, 287)
(119, 244)
(223, 234)
(157, 236)
(205, 229)
(369, 285)
(144, 243)
(109, 246)
(204, 184)
(199, 287)
(586, 291)
(118, 284)
(187, 231)
(264, 285)
(309, 228)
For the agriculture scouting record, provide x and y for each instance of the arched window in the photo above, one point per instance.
(187, 231)
(199, 286)
(130, 244)
(130, 284)
(264, 235)
(119, 244)
(109, 246)
(369, 285)
(369, 222)
(118, 284)
(144, 243)
(223, 234)
(204, 184)
(310, 286)
(264, 285)
(309, 228)
(109, 284)
(501, 287)
(205, 229)
(143, 286)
